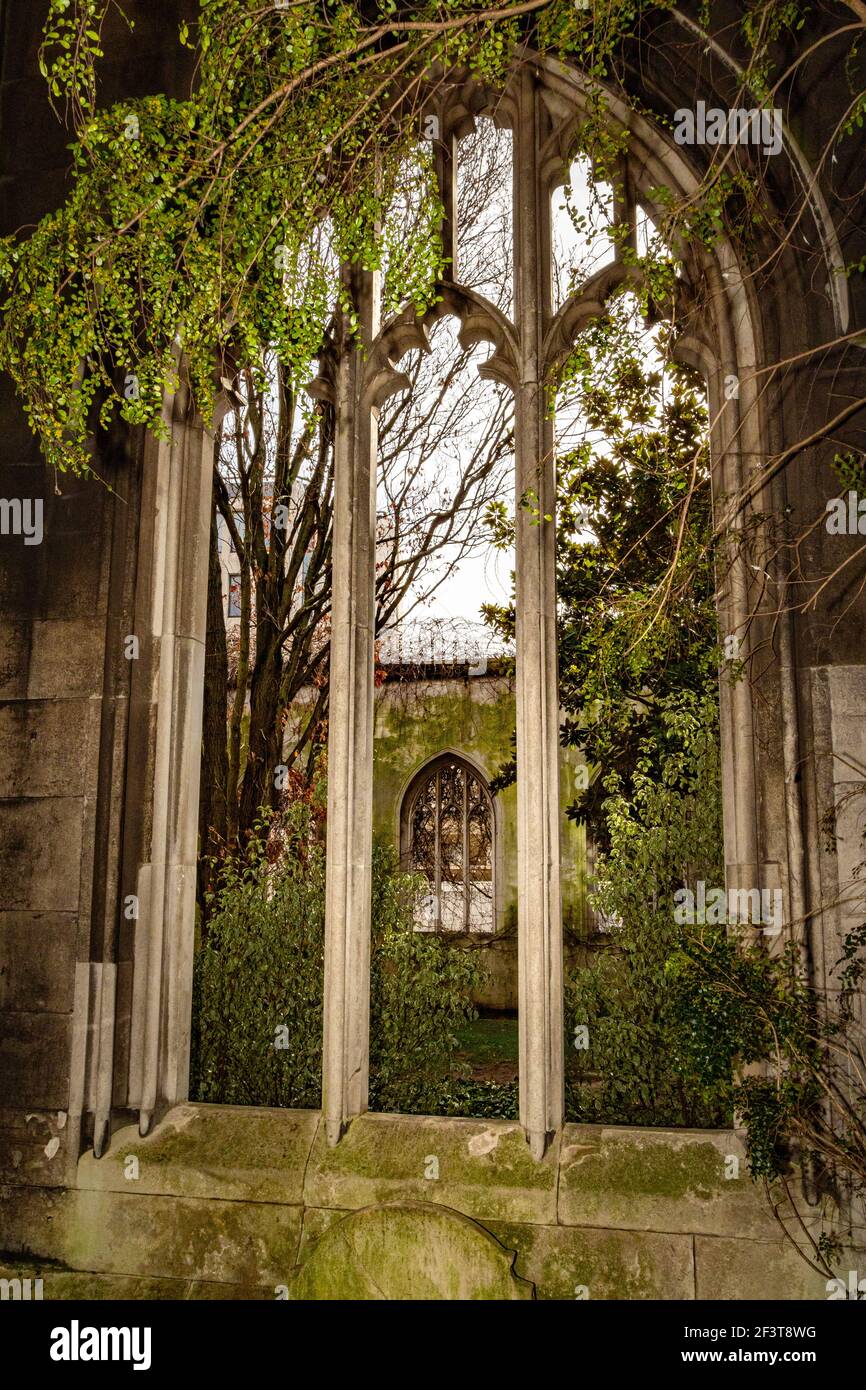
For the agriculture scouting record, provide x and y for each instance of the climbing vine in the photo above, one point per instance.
(201, 232)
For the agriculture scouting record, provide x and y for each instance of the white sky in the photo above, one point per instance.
(578, 251)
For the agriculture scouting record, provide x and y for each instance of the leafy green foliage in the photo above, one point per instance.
(639, 1066)
(494, 1100)
(421, 993)
(257, 1026)
(213, 227)
(796, 1058)
(762, 24)
(637, 626)
(850, 469)
(204, 232)
(71, 47)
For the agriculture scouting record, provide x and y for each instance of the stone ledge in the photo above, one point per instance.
(668, 1181)
(482, 1168)
(211, 1152)
(659, 1180)
(230, 1202)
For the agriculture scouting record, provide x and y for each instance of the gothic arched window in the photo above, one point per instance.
(447, 835)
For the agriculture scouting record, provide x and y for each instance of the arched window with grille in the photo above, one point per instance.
(447, 835)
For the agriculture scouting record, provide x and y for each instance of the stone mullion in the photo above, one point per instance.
(539, 902)
(172, 622)
(345, 1063)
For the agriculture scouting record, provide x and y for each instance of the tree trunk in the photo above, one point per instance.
(214, 757)
(265, 731)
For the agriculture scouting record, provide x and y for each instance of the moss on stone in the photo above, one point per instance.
(620, 1212)
(408, 1251)
(418, 720)
(636, 1168)
(211, 1151)
(483, 1167)
(596, 1265)
(237, 1242)
(663, 1180)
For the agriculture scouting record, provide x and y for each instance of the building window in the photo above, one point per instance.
(447, 837)
(234, 596)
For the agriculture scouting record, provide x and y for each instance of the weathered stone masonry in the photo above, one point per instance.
(97, 800)
(421, 715)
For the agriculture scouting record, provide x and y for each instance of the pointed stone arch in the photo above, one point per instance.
(772, 814)
(544, 106)
(416, 786)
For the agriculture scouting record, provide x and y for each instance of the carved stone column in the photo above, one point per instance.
(165, 752)
(345, 1064)
(539, 912)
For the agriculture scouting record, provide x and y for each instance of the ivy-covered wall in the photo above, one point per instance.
(420, 716)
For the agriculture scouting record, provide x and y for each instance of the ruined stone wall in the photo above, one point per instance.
(415, 721)
(65, 605)
(69, 806)
(796, 779)
(227, 1203)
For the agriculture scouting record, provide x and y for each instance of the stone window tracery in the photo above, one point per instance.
(448, 826)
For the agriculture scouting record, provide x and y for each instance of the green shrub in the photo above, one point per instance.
(755, 1017)
(638, 1067)
(483, 1100)
(257, 1012)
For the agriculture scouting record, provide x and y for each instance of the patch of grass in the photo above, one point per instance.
(487, 1040)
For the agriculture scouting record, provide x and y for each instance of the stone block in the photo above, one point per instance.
(64, 1284)
(37, 961)
(37, 1147)
(33, 1221)
(40, 854)
(183, 1237)
(34, 1060)
(22, 569)
(210, 1151)
(660, 1180)
(44, 660)
(250, 1243)
(66, 658)
(736, 1269)
(480, 1167)
(59, 1284)
(43, 744)
(578, 1264)
(14, 658)
(73, 573)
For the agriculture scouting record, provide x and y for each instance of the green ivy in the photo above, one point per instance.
(207, 231)
(259, 973)
(639, 1067)
(753, 1016)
